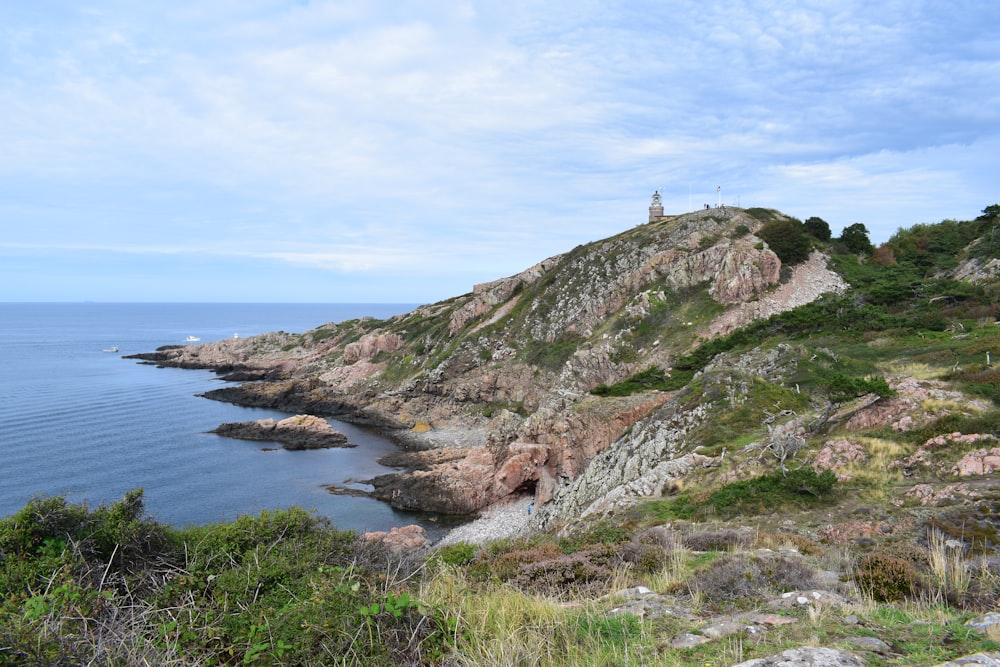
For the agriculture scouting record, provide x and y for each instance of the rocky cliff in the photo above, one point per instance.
(500, 377)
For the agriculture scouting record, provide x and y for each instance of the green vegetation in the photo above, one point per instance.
(855, 238)
(552, 355)
(788, 239)
(818, 228)
(652, 378)
(110, 586)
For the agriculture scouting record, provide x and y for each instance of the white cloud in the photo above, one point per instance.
(390, 134)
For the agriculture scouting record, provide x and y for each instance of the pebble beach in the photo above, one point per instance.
(496, 522)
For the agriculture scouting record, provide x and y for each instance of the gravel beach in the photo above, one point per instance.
(496, 522)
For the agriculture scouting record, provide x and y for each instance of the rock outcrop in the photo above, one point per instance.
(298, 432)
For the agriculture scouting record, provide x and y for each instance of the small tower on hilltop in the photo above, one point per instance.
(656, 208)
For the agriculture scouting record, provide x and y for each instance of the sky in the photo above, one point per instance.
(403, 151)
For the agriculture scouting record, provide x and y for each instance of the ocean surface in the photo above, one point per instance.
(81, 422)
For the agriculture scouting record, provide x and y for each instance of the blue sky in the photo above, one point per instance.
(262, 150)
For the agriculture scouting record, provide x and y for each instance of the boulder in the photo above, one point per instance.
(808, 656)
(400, 540)
(298, 432)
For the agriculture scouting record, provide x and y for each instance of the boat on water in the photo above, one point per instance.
(113, 348)
(192, 339)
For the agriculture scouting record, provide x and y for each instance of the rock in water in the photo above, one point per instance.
(298, 432)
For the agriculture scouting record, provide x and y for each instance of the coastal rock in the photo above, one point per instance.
(807, 656)
(486, 296)
(916, 403)
(810, 280)
(298, 432)
(979, 462)
(398, 540)
(837, 455)
(991, 659)
(459, 486)
(366, 348)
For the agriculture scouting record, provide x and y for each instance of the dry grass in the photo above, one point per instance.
(950, 572)
(876, 475)
(920, 371)
(938, 407)
(673, 575)
(505, 627)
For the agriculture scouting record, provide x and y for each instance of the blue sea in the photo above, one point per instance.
(84, 423)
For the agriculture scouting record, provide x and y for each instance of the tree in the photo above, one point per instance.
(788, 240)
(991, 212)
(817, 228)
(855, 238)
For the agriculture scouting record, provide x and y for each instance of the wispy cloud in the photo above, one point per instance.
(411, 137)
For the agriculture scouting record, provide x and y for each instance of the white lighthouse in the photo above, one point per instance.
(656, 208)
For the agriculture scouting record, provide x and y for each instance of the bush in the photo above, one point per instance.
(717, 540)
(652, 378)
(457, 555)
(842, 387)
(751, 577)
(651, 549)
(886, 578)
(587, 571)
(788, 240)
(855, 238)
(769, 492)
(818, 228)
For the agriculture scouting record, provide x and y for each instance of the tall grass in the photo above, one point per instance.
(501, 626)
(950, 572)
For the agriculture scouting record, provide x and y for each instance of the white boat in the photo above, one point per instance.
(113, 348)
(192, 339)
(235, 336)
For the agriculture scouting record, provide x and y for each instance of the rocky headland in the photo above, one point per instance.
(492, 395)
(500, 378)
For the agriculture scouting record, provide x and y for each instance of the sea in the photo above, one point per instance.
(79, 421)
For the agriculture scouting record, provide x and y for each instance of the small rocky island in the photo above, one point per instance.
(298, 432)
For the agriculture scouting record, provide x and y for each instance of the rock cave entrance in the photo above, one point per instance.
(527, 488)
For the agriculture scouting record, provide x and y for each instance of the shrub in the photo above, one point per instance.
(768, 492)
(457, 555)
(842, 387)
(818, 228)
(855, 238)
(717, 540)
(787, 239)
(751, 577)
(651, 549)
(587, 571)
(886, 578)
(652, 378)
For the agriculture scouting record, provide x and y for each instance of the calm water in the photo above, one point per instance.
(87, 424)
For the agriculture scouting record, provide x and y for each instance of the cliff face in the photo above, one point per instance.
(499, 378)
